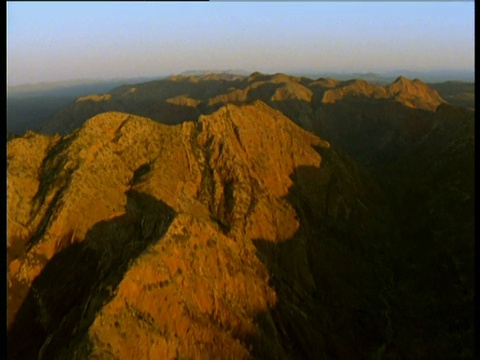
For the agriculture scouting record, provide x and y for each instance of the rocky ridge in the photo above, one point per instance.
(207, 239)
(183, 98)
(413, 94)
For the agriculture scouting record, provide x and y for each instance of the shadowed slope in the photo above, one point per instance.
(63, 300)
(433, 192)
(458, 93)
(332, 275)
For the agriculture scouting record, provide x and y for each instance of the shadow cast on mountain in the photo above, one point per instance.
(361, 282)
(329, 277)
(75, 284)
(372, 131)
(170, 114)
(297, 110)
(52, 165)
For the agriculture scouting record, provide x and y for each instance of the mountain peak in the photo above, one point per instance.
(94, 98)
(414, 94)
(400, 79)
(257, 76)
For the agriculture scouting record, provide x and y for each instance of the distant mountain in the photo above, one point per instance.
(457, 92)
(186, 97)
(221, 72)
(373, 123)
(386, 77)
(29, 106)
(71, 87)
(413, 94)
(374, 78)
(37, 110)
(437, 75)
(26, 113)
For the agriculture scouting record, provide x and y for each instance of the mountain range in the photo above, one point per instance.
(236, 217)
(30, 106)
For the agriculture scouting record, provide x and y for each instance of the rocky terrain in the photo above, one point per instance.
(186, 97)
(374, 124)
(218, 227)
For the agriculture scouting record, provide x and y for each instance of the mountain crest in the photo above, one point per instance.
(413, 94)
(401, 79)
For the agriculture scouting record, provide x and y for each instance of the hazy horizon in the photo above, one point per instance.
(52, 42)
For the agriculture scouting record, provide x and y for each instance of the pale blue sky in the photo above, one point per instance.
(52, 41)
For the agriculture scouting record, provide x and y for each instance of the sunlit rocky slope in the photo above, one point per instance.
(208, 239)
(239, 234)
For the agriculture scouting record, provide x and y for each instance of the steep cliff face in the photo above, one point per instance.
(215, 239)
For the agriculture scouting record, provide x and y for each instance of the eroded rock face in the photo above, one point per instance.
(238, 236)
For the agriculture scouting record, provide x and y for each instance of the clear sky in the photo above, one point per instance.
(54, 41)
